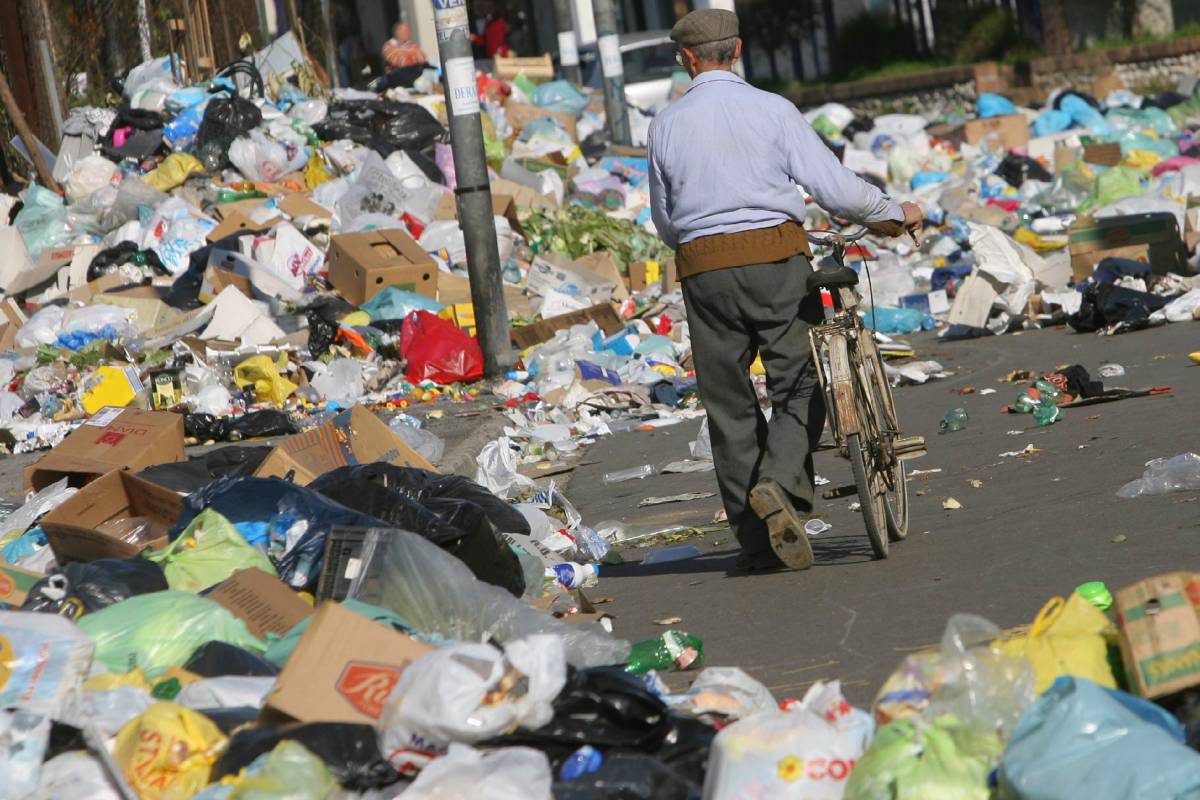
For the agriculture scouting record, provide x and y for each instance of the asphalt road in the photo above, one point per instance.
(1036, 526)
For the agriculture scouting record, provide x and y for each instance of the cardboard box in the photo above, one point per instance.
(522, 195)
(1092, 240)
(603, 263)
(71, 528)
(503, 205)
(602, 314)
(19, 272)
(1103, 86)
(112, 439)
(150, 311)
(549, 271)
(299, 204)
(453, 289)
(262, 601)
(237, 222)
(342, 670)
(536, 68)
(1106, 154)
(223, 211)
(1159, 620)
(15, 584)
(555, 161)
(217, 278)
(353, 437)
(1012, 130)
(520, 115)
(644, 273)
(361, 264)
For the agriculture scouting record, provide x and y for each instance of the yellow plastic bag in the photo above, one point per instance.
(173, 171)
(261, 373)
(315, 172)
(167, 752)
(1068, 637)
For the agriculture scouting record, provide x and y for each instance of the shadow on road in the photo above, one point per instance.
(832, 551)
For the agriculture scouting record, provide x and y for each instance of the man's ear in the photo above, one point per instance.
(737, 50)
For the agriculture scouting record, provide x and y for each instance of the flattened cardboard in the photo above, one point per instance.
(237, 222)
(522, 195)
(262, 601)
(503, 205)
(150, 311)
(342, 670)
(71, 528)
(361, 264)
(602, 314)
(223, 211)
(300, 205)
(520, 115)
(18, 271)
(1159, 620)
(603, 264)
(1012, 130)
(549, 271)
(536, 68)
(353, 437)
(217, 278)
(15, 584)
(1106, 154)
(113, 439)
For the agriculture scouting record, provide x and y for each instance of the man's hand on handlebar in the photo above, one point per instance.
(913, 217)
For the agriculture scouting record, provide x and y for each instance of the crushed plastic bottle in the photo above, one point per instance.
(1026, 402)
(631, 474)
(665, 555)
(956, 419)
(815, 527)
(672, 650)
(1047, 390)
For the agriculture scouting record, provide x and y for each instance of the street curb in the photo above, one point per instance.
(459, 458)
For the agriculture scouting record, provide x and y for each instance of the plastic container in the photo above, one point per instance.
(573, 576)
(1096, 593)
(584, 760)
(955, 420)
(672, 650)
(633, 473)
(665, 555)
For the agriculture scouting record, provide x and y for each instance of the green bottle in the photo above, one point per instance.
(1096, 593)
(1046, 412)
(672, 650)
(1047, 390)
(1025, 403)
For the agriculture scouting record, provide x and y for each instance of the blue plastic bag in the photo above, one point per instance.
(1083, 115)
(560, 96)
(897, 320)
(1082, 740)
(393, 303)
(994, 105)
(926, 178)
(1051, 121)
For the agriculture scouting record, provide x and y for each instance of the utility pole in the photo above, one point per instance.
(614, 72)
(144, 31)
(568, 42)
(474, 191)
(31, 142)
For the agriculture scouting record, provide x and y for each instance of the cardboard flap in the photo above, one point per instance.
(262, 601)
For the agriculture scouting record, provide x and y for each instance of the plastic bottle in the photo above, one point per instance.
(1047, 390)
(573, 576)
(1026, 402)
(1096, 593)
(672, 650)
(1046, 412)
(633, 473)
(955, 420)
(584, 760)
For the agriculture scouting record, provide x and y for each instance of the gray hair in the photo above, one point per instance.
(718, 52)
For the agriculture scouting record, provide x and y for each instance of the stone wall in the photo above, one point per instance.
(1139, 70)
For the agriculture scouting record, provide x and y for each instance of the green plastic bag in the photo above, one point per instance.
(912, 760)
(162, 629)
(1113, 185)
(289, 772)
(208, 551)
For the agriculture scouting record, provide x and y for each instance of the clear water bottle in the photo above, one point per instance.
(955, 420)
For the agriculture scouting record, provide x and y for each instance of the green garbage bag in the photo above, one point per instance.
(824, 126)
(289, 772)
(162, 629)
(1134, 140)
(913, 760)
(208, 551)
(1154, 119)
(1113, 185)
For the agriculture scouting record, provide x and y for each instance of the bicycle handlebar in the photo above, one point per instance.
(832, 238)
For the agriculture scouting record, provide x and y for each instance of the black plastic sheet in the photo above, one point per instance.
(83, 587)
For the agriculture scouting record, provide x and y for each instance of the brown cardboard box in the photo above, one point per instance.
(603, 264)
(644, 273)
(453, 289)
(245, 208)
(1083, 267)
(521, 114)
(71, 528)
(361, 264)
(536, 68)
(551, 161)
(1159, 619)
(352, 437)
(1107, 154)
(503, 205)
(1094, 239)
(236, 222)
(301, 205)
(217, 278)
(342, 669)
(1105, 85)
(1012, 130)
(15, 584)
(147, 303)
(262, 601)
(538, 332)
(113, 438)
(522, 195)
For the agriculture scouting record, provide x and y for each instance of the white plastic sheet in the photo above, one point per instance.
(511, 773)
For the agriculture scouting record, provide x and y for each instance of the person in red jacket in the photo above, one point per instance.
(494, 26)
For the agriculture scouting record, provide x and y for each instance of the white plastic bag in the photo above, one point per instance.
(23, 739)
(498, 468)
(74, 774)
(429, 445)
(90, 175)
(174, 231)
(261, 159)
(43, 502)
(45, 657)
(1184, 308)
(511, 773)
(227, 691)
(290, 256)
(1178, 474)
(42, 328)
(725, 691)
(467, 693)
(886, 280)
(807, 752)
(341, 382)
(96, 318)
(106, 711)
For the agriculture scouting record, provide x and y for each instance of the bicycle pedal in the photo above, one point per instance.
(909, 447)
(839, 492)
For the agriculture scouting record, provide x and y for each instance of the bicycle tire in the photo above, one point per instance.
(895, 500)
(874, 510)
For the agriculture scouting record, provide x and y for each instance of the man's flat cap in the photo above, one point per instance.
(704, 26)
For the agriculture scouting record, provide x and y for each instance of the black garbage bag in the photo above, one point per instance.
(408, 126)
(351, 752)
(229, 720)
(198, 471)
(1165, 100)
(214, 659)
(1084, 96)
(629, 776)
(225, 119)
(108, 261)
(82, 587)
(458, 526)
(254, 424)
(284, 504)
(323, 316)
(142, 133)
(421, 485)
(1106, 304)
(332, 130)
(1015, 169)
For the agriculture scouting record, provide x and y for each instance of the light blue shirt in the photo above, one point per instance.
(727, 157)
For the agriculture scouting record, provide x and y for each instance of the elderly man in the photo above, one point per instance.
(403, 59)
(727, 163)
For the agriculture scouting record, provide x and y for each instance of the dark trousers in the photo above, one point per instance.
(734, 314)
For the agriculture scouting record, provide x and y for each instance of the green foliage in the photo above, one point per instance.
(575, 231)
(992, 35)
(870, 42)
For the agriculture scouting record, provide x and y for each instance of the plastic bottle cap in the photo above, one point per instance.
(1096, 593)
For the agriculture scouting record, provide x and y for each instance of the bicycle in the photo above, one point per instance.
(858, 397)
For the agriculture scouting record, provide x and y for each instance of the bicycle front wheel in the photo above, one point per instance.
(870, 495)
(879, 407)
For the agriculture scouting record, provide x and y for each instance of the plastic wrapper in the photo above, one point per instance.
(511, 773)
(289, 772)
(23, 739)
(436, 593)
(84, 587)
(167, 752)
(43, 659)
(1082, 740)
(226, 691)
(1179, 473)
(160, 630)
(725, 692)
(208, 551)
(467, 693)
(262, 159)
(43, 502)
(42, 222)
(351, 752)
(437, 350)
(216, 659)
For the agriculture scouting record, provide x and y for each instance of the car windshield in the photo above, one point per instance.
(650, 63)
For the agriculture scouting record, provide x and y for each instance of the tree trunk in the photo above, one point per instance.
(1054, 28)
(1153, 18)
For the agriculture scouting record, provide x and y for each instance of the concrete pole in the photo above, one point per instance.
(143, 31)
(614, 73)
(568, 42)
(473, 192)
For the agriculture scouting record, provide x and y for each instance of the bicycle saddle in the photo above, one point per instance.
(832, 278)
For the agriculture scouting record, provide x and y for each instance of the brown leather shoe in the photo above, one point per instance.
(784, 525)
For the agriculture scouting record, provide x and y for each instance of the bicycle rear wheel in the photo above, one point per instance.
(870, 495)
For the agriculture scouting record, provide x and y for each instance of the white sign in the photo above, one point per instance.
(460, 81)
(568, 52)
(450, 16)
(610, 56)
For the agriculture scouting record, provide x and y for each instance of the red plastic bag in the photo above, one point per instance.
(436, 350)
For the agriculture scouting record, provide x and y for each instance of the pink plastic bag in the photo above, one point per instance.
(436, 350)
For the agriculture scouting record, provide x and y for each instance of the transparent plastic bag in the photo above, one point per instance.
(289, 772)
(1180, 473)
(261, 159)
(437, 594)
(725, 691)
(89, 175)
(167, 752)
(468, 693)
(105, 711)
(511, 773)
(76, 774)
(43, 658)
(429, 445)
(23, 739)
(42, 222)
(43, 502)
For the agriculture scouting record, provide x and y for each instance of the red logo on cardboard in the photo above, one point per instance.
(367, 685)
(110, 437)
(6, 586)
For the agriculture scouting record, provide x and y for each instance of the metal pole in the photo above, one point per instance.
(613, 71)
(568, 42)
(474, 191)
(143, 30)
